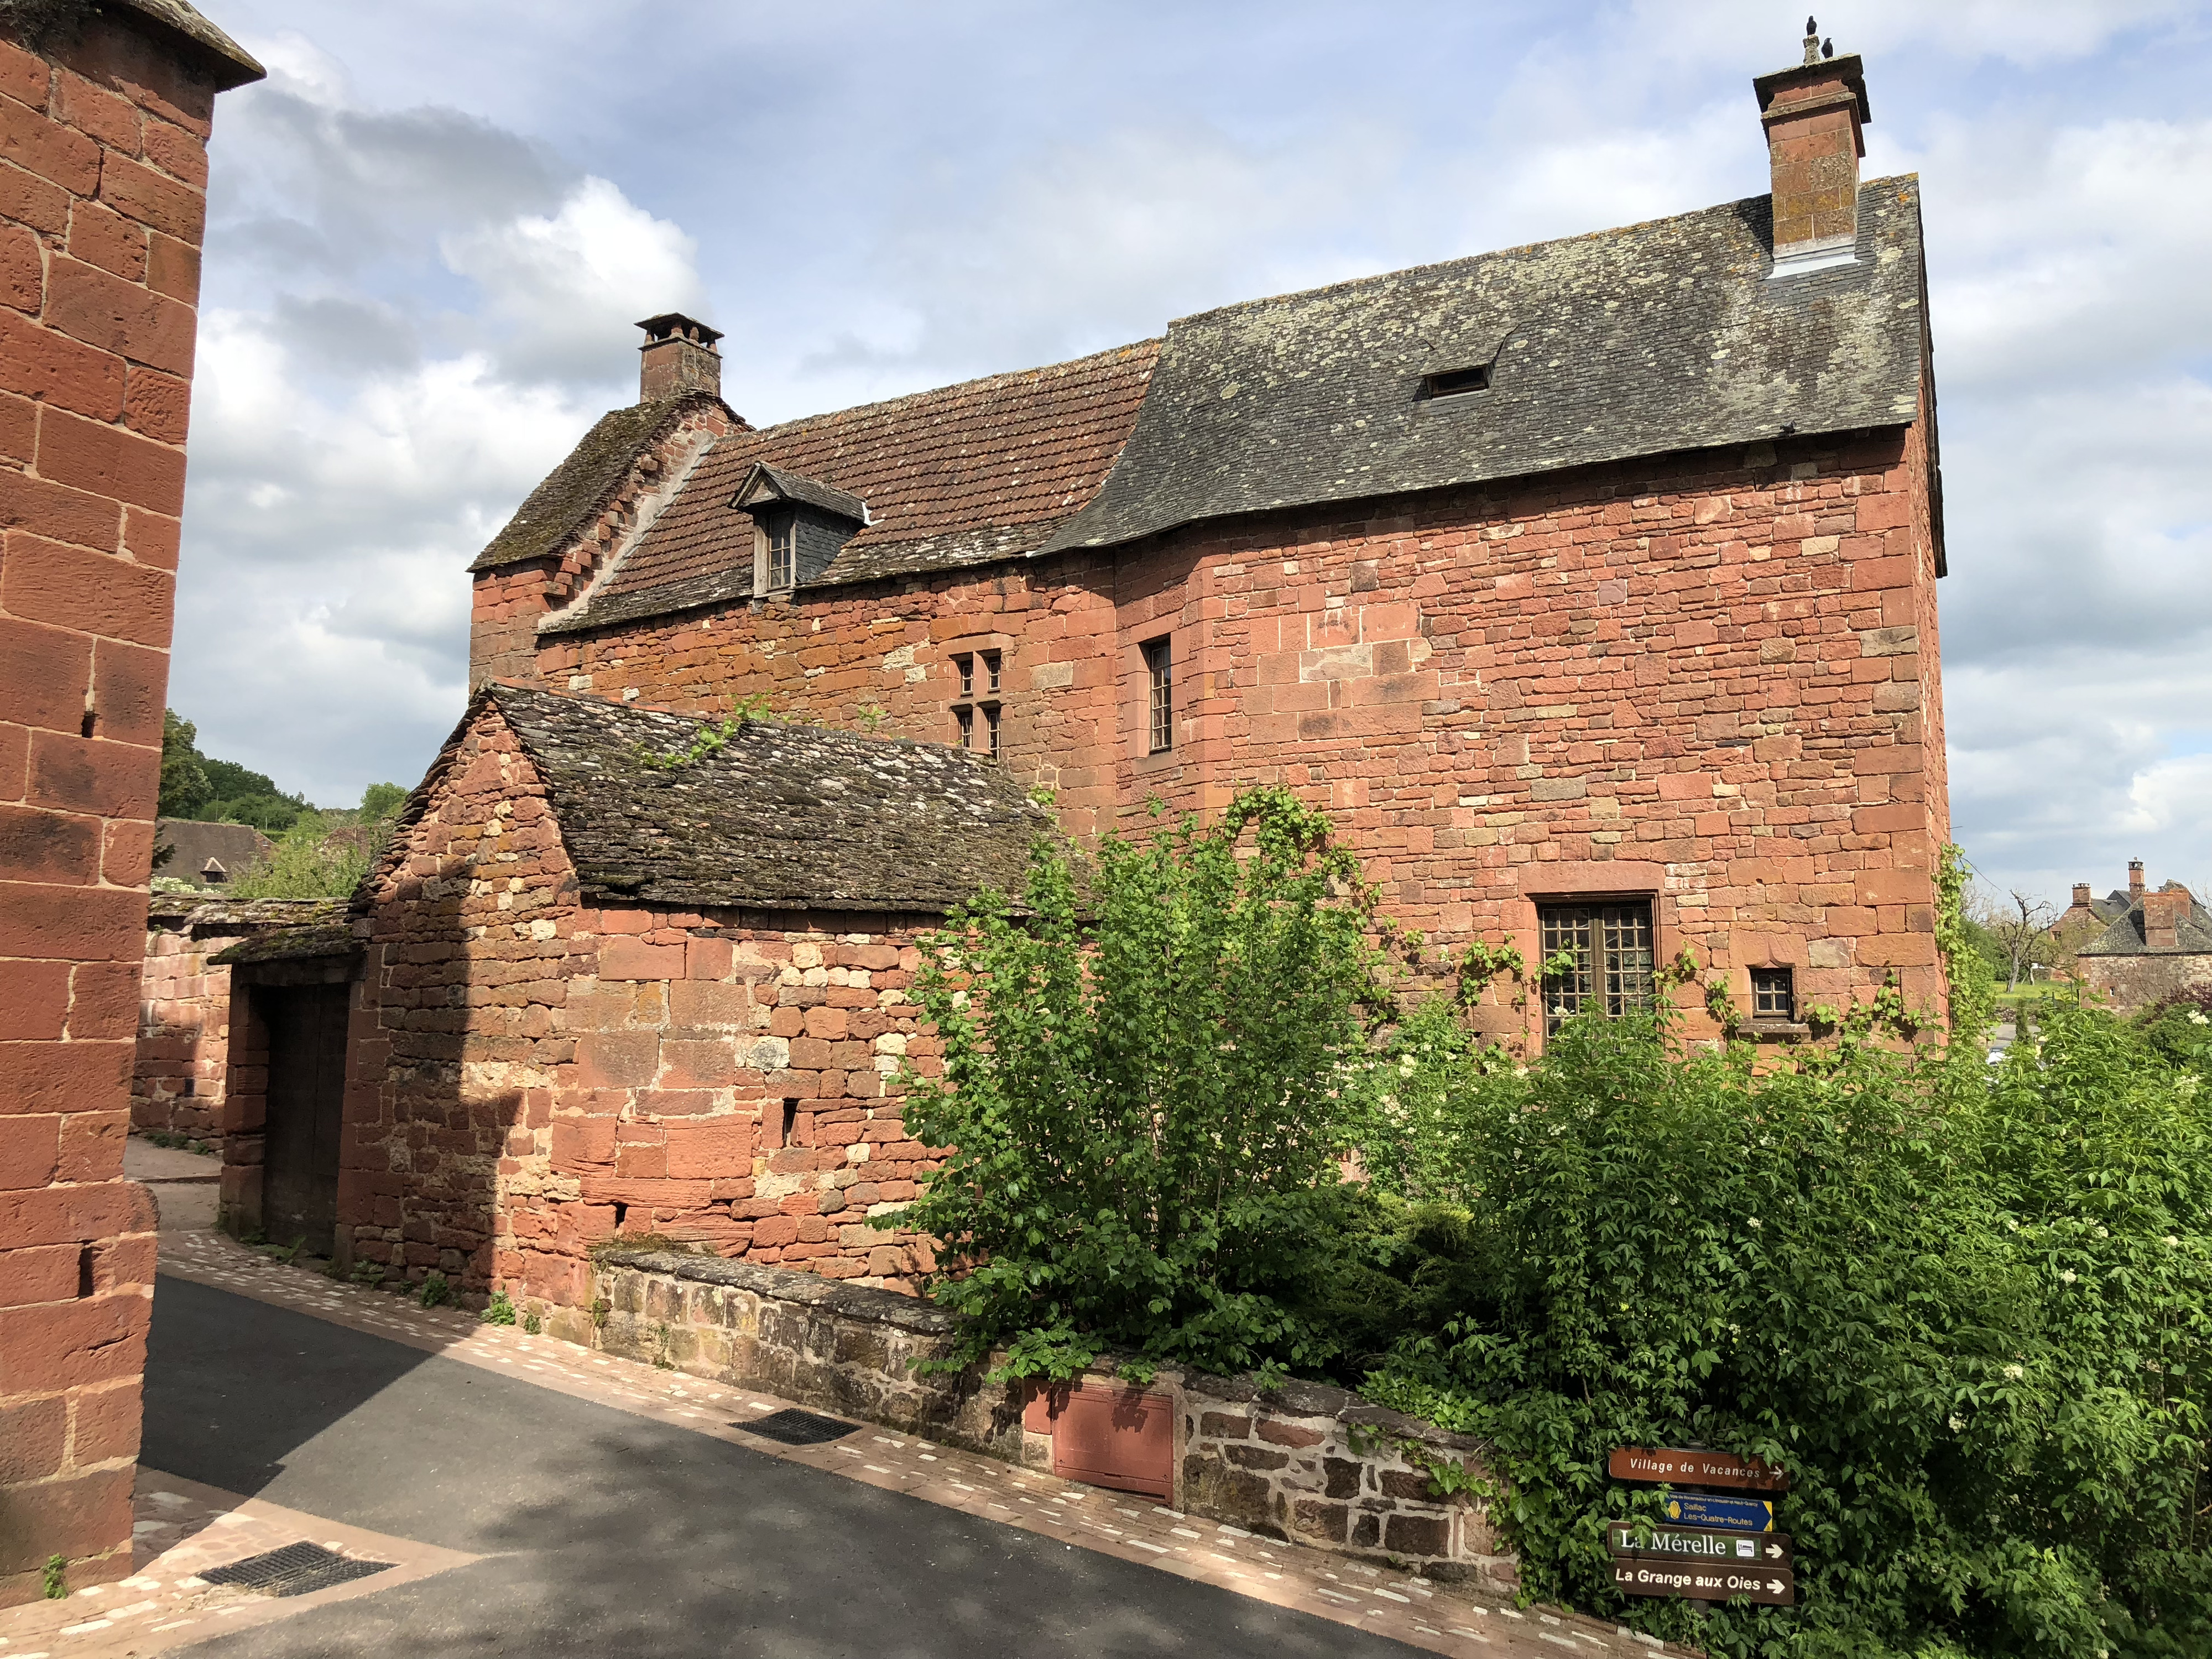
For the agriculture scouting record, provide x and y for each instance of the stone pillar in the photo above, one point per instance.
(103, 122)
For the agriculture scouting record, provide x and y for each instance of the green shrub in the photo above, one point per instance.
(1146, 1101)
(435, 1292)
(1972, 1316)
(500, 1310)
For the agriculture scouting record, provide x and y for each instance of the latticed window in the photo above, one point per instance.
(783, 552)
(1611, 942)
(976, 713)
(1159, 675)
(1773, 993)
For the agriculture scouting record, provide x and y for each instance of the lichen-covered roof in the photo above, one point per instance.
(1646, 340)
(2125, 937)
(179, 913)
(578, 490)
(306, 941)
(961, 474)
(775, 816)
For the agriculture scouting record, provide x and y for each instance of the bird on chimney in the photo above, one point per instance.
(1812, 40)
(1827, 49)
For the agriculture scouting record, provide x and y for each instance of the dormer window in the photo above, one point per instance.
(1455, 381)
(798, 526)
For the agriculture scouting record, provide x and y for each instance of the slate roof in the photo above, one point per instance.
(1653, 338)
(963, 475)
(578, 490)
(191, 843)
(2124, 937)
(1650, 339)
(777, 817)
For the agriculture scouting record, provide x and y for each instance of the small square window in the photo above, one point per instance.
(1453, 382)
(1773, 993)
(1160, 678)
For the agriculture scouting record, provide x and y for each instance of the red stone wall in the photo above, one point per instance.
(102, 167)
(510, 600)
(531, 1074)
(2127, 985)
(1711, 678)
(184, 1035)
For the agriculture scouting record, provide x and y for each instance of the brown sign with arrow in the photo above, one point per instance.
(1660, 1542)
(1695, 1468)
(1636, 1576)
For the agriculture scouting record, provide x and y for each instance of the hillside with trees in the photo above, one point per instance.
(320, 852)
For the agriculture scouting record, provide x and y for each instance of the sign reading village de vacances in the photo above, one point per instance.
(1738, 1560)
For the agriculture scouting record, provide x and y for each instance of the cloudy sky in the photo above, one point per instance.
(433, 226)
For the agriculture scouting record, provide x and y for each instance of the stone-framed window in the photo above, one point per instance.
(1160, 688)
(975, 710)
(1611, 940)
(1774, 994)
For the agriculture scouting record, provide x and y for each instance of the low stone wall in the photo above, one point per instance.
(1307, 1463)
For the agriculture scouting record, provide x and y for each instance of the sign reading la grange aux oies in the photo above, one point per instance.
(1715, 1548)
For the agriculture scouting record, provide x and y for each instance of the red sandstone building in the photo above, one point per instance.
(104, 125)
(1590, 586)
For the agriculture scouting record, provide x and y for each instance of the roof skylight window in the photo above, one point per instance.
(1453, 381)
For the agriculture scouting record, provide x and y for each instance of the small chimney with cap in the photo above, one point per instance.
(2135, 878)
(678, 356)
(2082, 896)
(1813, 112)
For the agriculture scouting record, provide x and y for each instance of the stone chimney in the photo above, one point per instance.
(2080, 895)
(1813, 114)
(2163, 915)
(678, 355)
(2135, 878)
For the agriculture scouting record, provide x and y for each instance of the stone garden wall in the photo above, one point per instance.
(1310, 1464)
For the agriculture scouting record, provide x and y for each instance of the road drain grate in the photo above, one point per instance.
(794, 1427)
(295, 1570)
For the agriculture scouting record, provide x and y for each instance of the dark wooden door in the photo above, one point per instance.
(307, 1090)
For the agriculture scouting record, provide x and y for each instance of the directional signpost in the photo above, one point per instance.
(1715, 1548)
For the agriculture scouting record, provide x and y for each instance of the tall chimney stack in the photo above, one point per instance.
(678, 355)
(2135, 878)
(1813, 113)
(2163, 913)
(2080, 895)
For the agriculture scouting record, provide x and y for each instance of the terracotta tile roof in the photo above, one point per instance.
(949, 476)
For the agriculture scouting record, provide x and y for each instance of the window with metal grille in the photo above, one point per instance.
(991, 672)
(783, 552)
(964, 720)
(1611, 943)
(1773, 993)
(990, 713)
(1159, 675)
(966, 663)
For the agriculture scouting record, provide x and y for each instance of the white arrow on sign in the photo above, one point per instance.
(1775, 1585)
(1773, 1551)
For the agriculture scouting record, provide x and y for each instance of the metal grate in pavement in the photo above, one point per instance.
(295, 1570)
(793, 1427)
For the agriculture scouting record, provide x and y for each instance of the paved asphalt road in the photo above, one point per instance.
(611, 1536)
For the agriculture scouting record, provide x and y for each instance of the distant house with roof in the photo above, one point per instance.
(211, 855)
(2152, 946)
